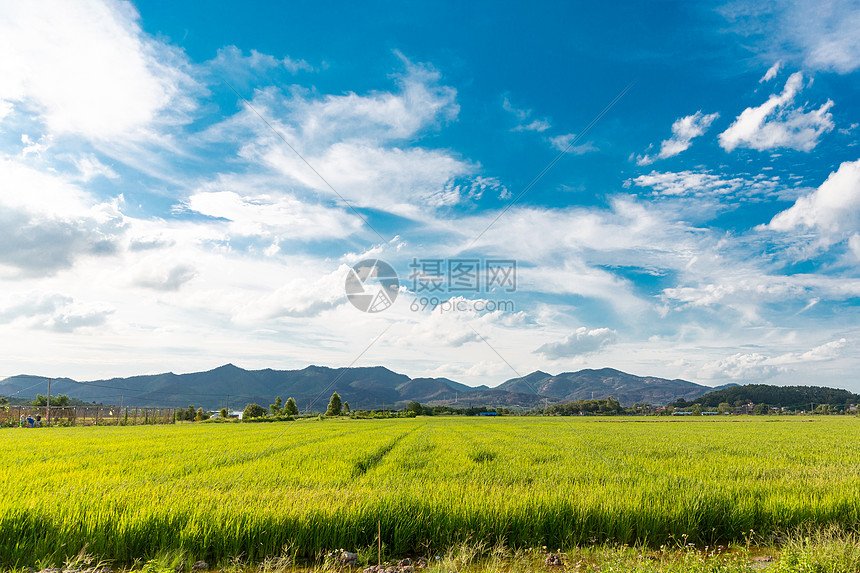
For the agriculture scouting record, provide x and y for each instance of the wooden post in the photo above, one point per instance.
(379, 538)
(48, 412)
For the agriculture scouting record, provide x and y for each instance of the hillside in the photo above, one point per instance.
(364, 388)
(793, 397)
(585, 384)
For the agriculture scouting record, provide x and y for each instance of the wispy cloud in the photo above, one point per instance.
(562, 143)
(525, 122)
(771, 73)
(813, 34)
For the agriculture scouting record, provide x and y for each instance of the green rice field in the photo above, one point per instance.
(218, 491)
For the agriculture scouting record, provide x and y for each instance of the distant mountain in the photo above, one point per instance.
(586, 384)
(793, 397)
(364, 388)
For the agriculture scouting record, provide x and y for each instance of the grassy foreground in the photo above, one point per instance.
(221, 491)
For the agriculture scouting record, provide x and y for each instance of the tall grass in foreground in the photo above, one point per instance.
(218, 491)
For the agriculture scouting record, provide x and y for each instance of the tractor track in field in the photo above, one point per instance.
(371, 460)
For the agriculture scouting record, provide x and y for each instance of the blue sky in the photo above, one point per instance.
(703, 221)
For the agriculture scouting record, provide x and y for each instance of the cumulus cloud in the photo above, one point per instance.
(756, 366)
(684, 130)
(300, 297)
(358, 144)
(582, 341)
(47, 222)
(832, 210)
(72, 319)
(87, 68)
(777, 123)
(60, 313)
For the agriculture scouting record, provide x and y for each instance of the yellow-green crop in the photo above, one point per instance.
(217, 491)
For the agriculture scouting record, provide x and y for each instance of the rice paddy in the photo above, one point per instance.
(221, 491)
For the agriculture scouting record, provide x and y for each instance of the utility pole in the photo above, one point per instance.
(228, 403)
(48, 413)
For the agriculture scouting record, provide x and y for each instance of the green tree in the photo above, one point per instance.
(3, 400)
(346, 408)
(415, 408)
(760, 409)
(697, 410)
(200, 415)
(290, 408)
(223, 412)
(253, 411)
(334, 405)
(59, 401)
(724, 408)
(190, 413)
(276, 407)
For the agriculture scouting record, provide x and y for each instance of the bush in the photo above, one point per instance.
(253, 411)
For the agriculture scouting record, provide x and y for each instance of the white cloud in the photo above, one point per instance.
(684, 130)
(580, 342)
(524, 119)
(706, 184)
(48, 222)
(53, 312)
(230, 61)
(420, 103)
(401, 181)
(273, 216)
(832, 210)
(771, 72)
(363, 145)
(814, 34)
(5, 109)
(756, 366)
(563, 143)
(90, 167)
(88, 69)
(159, 276)
(778, 124)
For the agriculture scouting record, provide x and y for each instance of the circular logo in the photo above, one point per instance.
(371, 285)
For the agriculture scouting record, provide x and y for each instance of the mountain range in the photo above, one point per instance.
(364, 388)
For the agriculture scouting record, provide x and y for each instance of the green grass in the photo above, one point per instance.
(221, 491)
